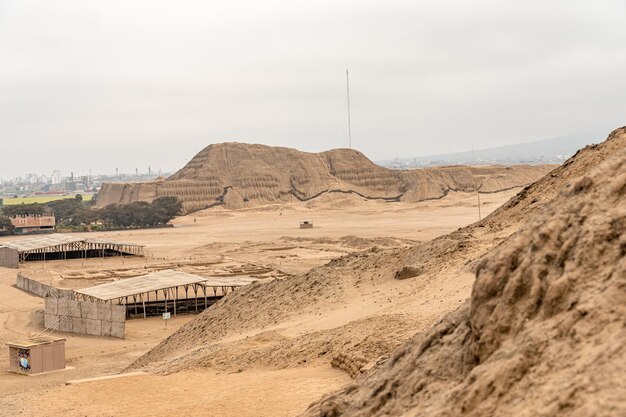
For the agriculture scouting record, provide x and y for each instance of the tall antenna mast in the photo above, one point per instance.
(349, 126)
(477, 190)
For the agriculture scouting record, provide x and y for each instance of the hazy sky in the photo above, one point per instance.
(131, 83)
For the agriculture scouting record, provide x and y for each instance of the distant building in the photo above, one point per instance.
(33, 224)
(56, 177)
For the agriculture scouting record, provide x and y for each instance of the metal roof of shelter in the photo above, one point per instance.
(155, 281)
(55, 239)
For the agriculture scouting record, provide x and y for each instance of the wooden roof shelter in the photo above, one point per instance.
(61, 246)
(166, 286)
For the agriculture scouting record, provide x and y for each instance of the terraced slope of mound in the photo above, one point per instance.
(237, 174)
(543, 332)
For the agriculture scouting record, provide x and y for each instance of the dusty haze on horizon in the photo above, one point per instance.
(127, 84)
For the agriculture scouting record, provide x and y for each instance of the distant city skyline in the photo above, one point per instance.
(59, 174)
(124, 84)
(576, 141)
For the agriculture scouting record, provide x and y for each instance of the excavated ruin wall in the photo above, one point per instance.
(124, 193)
(9, 258)
(85, 317)
(40, 289)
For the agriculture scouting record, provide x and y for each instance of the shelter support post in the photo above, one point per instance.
(175, 297)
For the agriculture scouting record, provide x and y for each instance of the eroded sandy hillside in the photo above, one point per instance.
(543, 332)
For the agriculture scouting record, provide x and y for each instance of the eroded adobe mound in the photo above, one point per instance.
(238, 174)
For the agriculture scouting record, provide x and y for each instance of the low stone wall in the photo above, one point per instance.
(85, 317)
(39, 289)
(9, 258)
(352, 363)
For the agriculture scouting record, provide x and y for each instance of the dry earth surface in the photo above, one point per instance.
(264, 242)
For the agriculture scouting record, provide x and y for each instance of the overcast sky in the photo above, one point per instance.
(131, 83)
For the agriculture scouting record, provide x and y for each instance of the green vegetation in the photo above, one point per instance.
(140, 213)
(76, 214)
(40, 199)
(6, 227)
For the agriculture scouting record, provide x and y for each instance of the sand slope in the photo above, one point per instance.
(236, 175)
(543, 332)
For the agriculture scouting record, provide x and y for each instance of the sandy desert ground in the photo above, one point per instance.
(268, 244)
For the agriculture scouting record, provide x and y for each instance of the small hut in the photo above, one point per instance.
(37, 355)
(306, 224)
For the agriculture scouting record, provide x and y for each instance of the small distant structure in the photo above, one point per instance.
(28, 224)
(306, 224)
(37, 355)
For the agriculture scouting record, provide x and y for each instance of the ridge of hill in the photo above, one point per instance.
(235, 175)
(546, 151)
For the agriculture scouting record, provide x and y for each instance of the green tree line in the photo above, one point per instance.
(74, 212)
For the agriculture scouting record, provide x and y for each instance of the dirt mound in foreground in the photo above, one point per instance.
(355, 345)
(543, 332)
(236, 175)
(263, 305)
